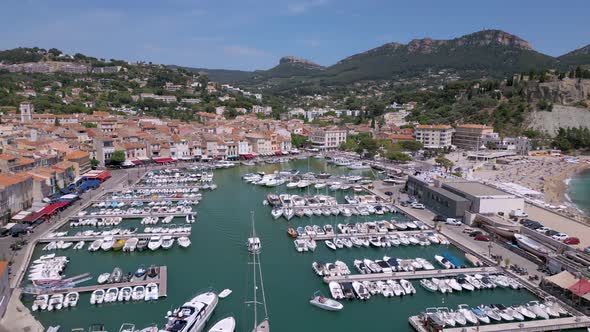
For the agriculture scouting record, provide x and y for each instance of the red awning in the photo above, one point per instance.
(247, 155)
(278, 153)
(48, 210)
(32, 217)
(581, 287)
(163, 160)
(137, 162)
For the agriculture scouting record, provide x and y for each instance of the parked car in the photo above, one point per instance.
(418, 206)
(438, 217)
(572, 240)
(475, 233)
(468, 230)
(552, 232)
(481, 237)
(542, 230)
(453, 222)
(587, 250)
(559, 236)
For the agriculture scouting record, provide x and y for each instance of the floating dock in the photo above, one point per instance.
(359, 235)
(133, 216)
(116, 237)
(161, 280)
(423, 274)
(554, 324)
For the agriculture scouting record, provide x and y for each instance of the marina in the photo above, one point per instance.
(411, 275)
(116, 237)
(224, 226)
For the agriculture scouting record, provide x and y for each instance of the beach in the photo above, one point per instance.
(549, 176)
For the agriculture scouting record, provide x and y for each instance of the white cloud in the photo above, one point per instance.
(297, 8)
(244, 51)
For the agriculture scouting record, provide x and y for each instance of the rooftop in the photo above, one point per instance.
(475, 188)
(434, 127)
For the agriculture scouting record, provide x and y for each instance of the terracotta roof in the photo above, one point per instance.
(435, 127)
(12, 179)
(77, 154)
(473, 126)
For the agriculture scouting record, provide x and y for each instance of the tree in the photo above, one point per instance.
(56, 122)
(444, 162)
(54, 51)
(94, 163)
(89, 125)
(398, 156)
(411, 145)
(117, 158)
(299, 141)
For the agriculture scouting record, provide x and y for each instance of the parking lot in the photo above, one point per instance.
(561, 224)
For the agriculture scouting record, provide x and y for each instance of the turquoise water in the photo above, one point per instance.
(579, 191)
(218, 259)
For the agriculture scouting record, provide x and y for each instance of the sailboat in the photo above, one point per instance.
(253, 241)
(262, 326)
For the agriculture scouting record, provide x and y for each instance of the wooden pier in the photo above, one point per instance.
(423, 274)
(132, 216)
(553, 324)
(161, 280)
(359, 235)
(116, 237)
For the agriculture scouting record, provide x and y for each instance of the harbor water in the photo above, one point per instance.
(218, 259)
(579, 191)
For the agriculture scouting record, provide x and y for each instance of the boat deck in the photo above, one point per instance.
(133, 216)
(423, 274)
(358, 235)
(161, 280)
(116, 237)
(554, 324)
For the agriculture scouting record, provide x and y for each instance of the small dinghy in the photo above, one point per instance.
(184, 241)
(227, 324)
(225, 293)
(322, 302)
(103, 278)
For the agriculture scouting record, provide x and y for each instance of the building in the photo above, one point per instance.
(470, 136)
(16, 194)
(81, 159)
(4, 287)
(459, 198)
(519, 145)
(434, 136)
(328, 138)
(26, 111)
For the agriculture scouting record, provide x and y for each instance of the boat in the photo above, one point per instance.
(167, 242)
(155, 242)
(361, 291)
(408, 287)
(193, 315)
(227, 324)
(142, 244)
(225, 293)
(103, 277)
(292, 232)
(336, 290)
(111, 295)
(184, 241)
(138, 293)
(130, 244)
(534, 307)
(253, 244)
(97, 296)
(481, 315)
(151, 292)
(276, 213)
(428, 285)
(493, 314)
(322, 302)
(264, 325)
(531, 245)
(118, 245)
(330, 244)
(55, 302)
(523, 310)
(107, 243)
(288, 213)
(470, 317)
(79, 245)
(444, 262)
(125, 294)
(40, 302)
(95, 245)
(116, 275)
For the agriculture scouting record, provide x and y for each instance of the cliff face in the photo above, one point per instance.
(565, 92)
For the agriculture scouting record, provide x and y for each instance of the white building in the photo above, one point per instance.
(26, 111)
(328, 137)
(434, 136)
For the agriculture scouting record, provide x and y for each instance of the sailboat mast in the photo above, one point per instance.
(262, 287)
(255, 303)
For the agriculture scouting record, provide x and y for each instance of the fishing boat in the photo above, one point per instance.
(322, 302)
(193, 315)
(227, 324)
(184, 241)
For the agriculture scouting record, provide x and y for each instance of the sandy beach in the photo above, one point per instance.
(547, 175)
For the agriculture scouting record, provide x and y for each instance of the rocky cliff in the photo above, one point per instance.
(564, 92)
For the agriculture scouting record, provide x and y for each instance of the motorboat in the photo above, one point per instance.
(451, 282)
(142, 244)
(534, 307)
(130, 244)
(79, 245)
(523, 310)
(531, 245)
(225, 293)
(55, 302)
(458, 317)
(322, 302)
(470, 317)
(138, 293)
(107, 243)
(40, 302)
(192, 315)
(167, 242)
(428, 285)
(276, 213)
(95, 245)
(481, 315)
(551, 302)
(227, 324)
(330, 244)
(116, 275)
(500, 311)
(111, 295)
(444, 262)
(155, 242)
(408, 287)
(361, 291)
(336, 290)
(288, 213)
(493, 314)
(125, 294)
(97, 296)
(396, 287)
(103, 277)
(151, 292)
(184, 241)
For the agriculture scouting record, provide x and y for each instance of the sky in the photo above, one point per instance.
(255, 34)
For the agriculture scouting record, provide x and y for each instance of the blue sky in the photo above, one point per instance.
(254, 34)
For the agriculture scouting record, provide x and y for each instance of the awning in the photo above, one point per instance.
(137, 162)
(581, 287)
(69, 197)
(278, 153)
(163, 160)
(51, 208)
(247, 156)
(563, 279)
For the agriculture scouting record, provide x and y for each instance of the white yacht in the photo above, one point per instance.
(227, 324)
(107, 243)
(193, 315)
(155, 243)
(151, 292)
(254, 244)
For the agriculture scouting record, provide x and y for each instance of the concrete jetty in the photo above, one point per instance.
(133, 216)
(116, 237)
(423, 274)
(554, 324)
(359, 235)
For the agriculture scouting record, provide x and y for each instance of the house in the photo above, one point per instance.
(328, 138)
(81, 159)
(16, 194)
(470, 136)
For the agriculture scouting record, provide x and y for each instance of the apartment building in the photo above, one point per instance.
(16, 194)
(434, 136)
(470, 136)
(328, 138)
